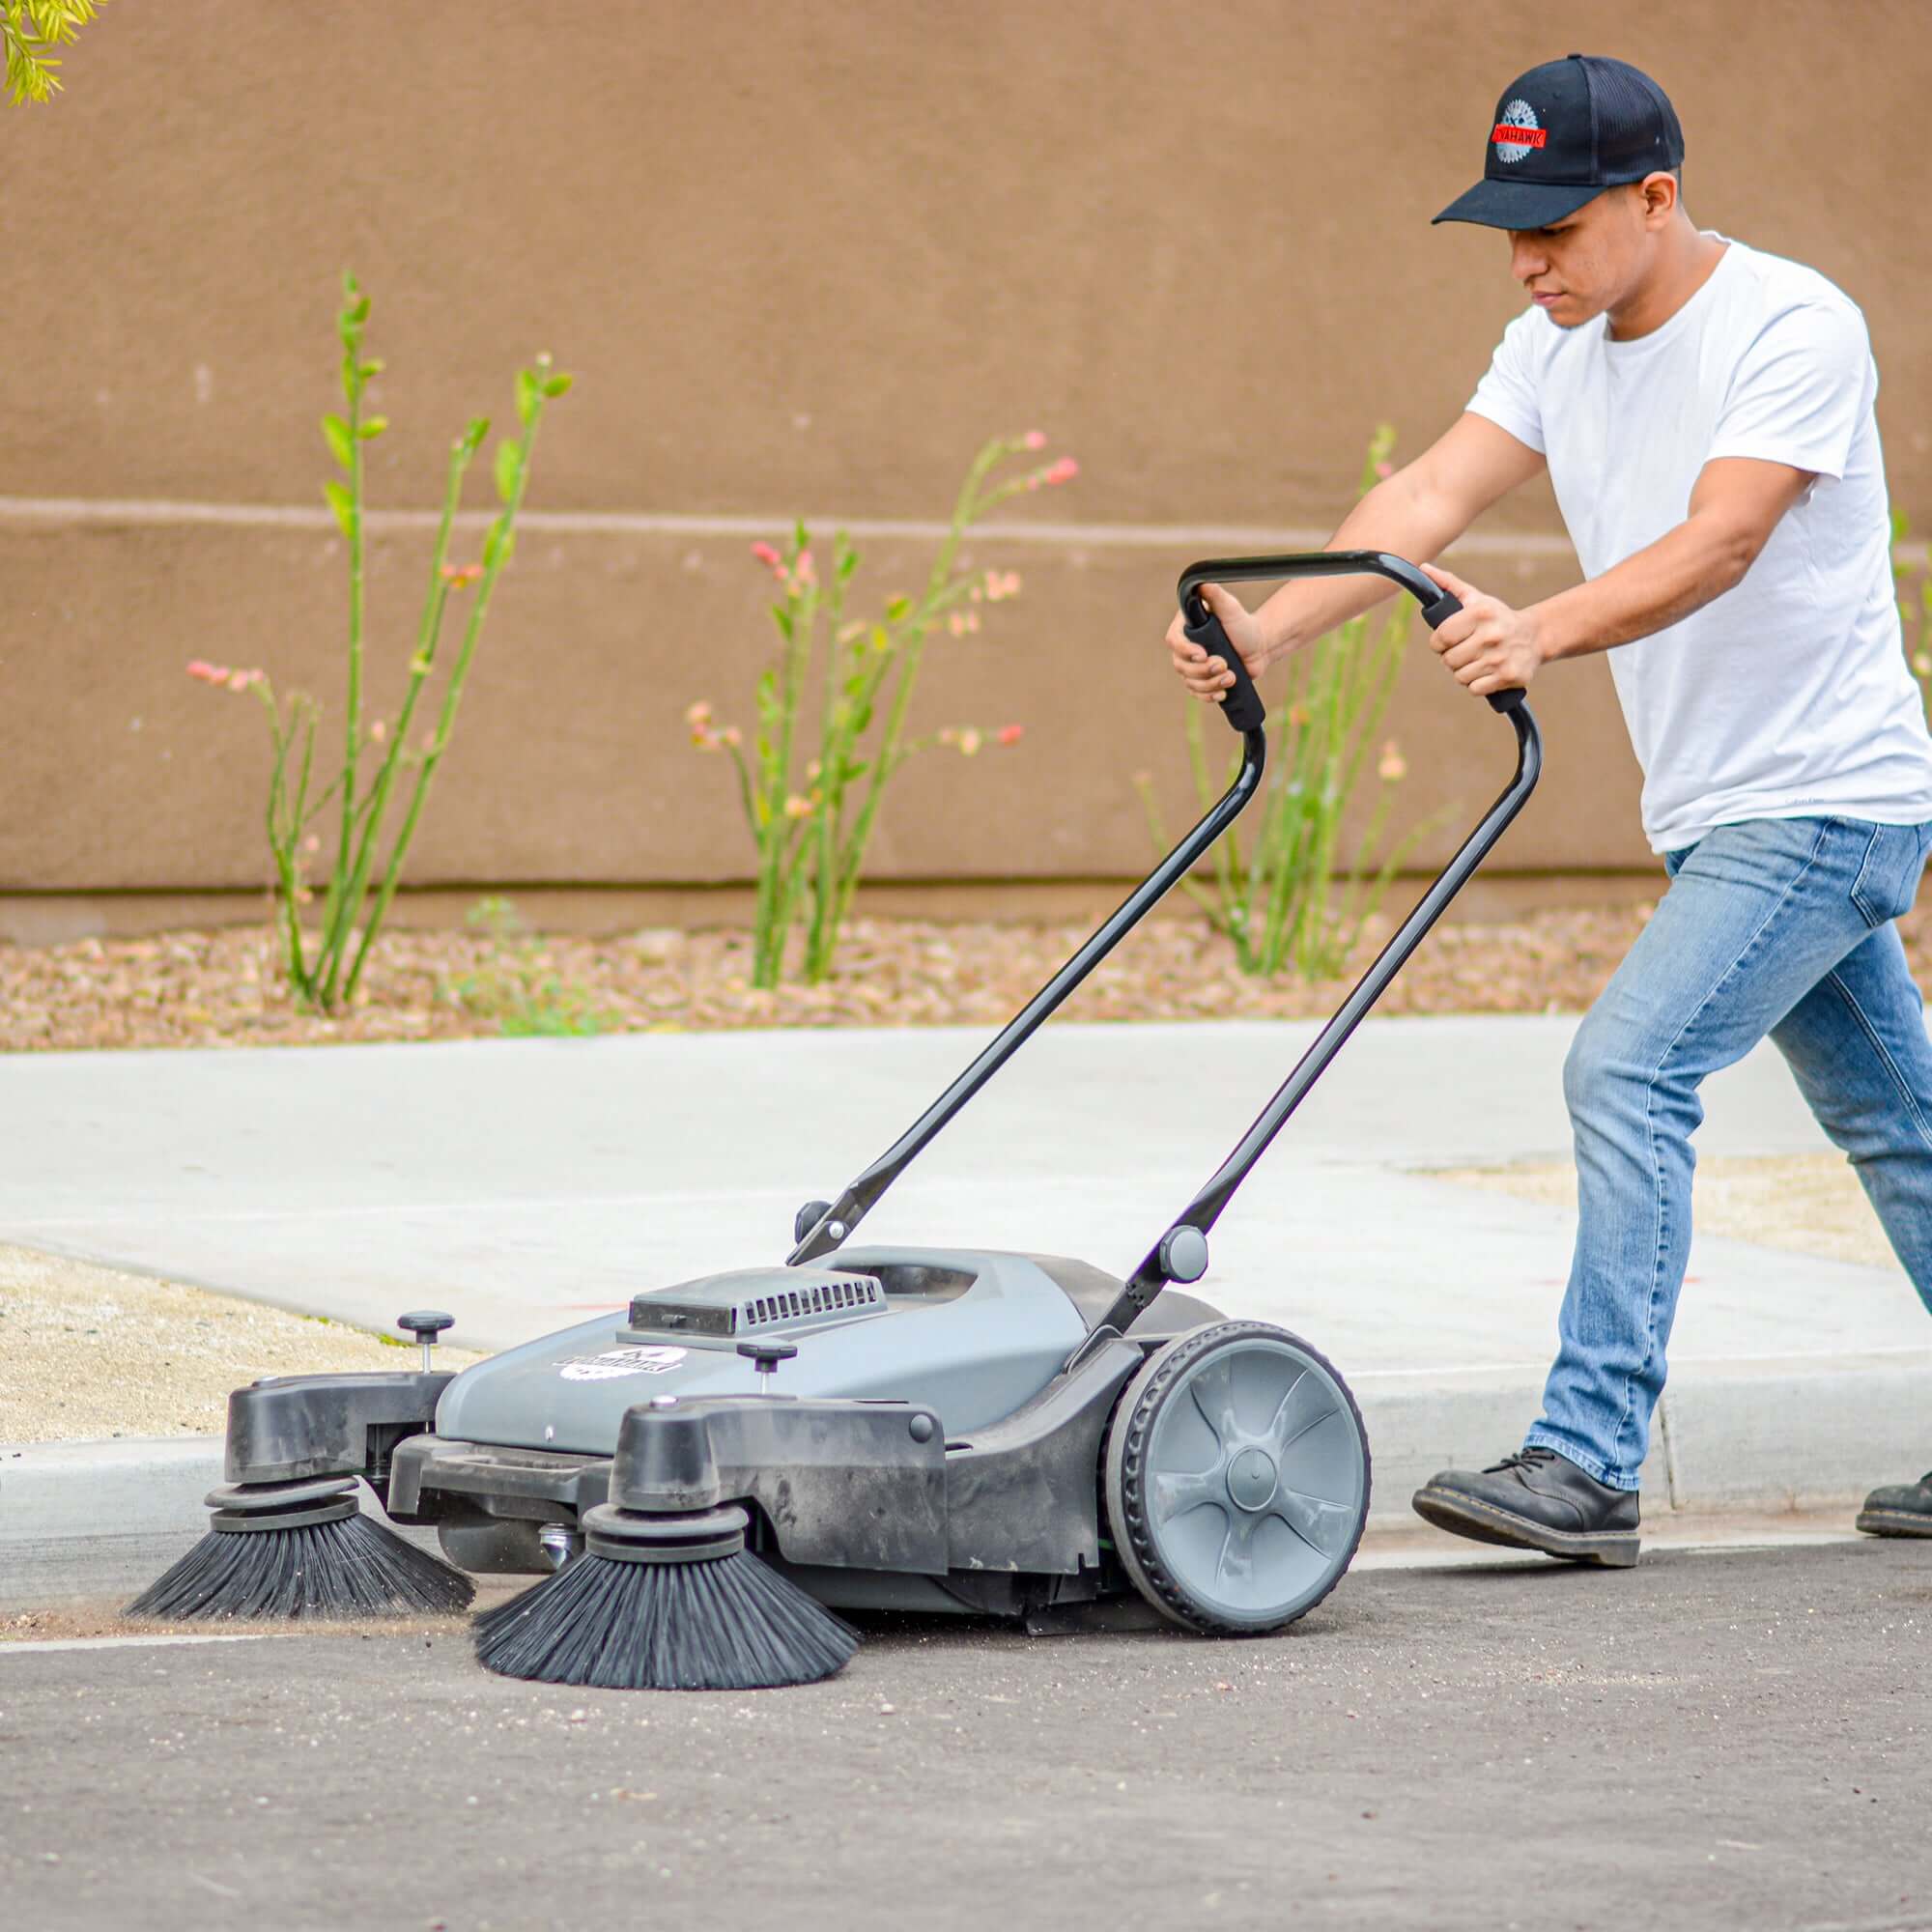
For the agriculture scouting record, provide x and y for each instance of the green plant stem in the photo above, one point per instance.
(852, 859)
(495, 558)
(332, 908)
(428, 634)
(778, 833)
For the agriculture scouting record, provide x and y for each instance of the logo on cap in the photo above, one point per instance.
(1517, 132)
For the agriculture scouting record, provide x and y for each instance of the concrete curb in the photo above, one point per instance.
(1750, 1437)
(94, 1520)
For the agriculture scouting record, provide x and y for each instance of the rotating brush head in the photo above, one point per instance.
(301, 1550)
(665, 1602)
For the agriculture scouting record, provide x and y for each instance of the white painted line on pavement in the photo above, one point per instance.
(125, 1642)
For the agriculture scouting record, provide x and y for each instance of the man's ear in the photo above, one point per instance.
(1659, 198)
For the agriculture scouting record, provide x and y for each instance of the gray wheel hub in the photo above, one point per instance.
(1252, 1478)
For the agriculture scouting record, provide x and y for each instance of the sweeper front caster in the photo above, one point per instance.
(959, 1429)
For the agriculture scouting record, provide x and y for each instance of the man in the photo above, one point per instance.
(1706, 415)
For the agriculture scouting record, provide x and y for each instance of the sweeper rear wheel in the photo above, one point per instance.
(1236, 1478)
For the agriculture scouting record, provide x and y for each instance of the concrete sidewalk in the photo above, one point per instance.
(525, 1183)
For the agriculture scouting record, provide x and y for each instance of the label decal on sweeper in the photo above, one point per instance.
(636, 1359)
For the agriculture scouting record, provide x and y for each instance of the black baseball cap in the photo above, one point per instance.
(1564, 133)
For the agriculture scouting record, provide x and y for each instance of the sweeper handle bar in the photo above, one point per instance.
(1181, 1252)
(836, 1223)
(1243, 704)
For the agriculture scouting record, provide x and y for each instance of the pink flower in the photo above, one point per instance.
(804, 572)
(797, 808)
(1012, 735)
(699, 713)
(1393, 765)
(730, 735)
(458, 576)
(313, 843)
(207, 674)
(1384, 469)
(1063, 471)
(1001, 584)
(770, 558)
(970, 740)
(1034, 439)
(377, 731)
(240, 680)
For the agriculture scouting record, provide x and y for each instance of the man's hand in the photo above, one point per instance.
(1485, 644)
(1200, 669)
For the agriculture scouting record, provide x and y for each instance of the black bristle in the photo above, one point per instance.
(355, 1567)
(732, 1623)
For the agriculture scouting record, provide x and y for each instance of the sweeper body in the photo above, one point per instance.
(701, 1484)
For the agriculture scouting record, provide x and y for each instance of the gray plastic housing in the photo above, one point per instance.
(971, 1335)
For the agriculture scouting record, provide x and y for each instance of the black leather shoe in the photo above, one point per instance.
(1537, 1500)
(1902, 1510)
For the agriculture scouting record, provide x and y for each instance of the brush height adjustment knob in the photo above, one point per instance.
(765, 1356)
(426, 1324)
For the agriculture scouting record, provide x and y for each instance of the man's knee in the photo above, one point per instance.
(1613, 1070)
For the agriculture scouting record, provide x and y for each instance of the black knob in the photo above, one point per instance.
(808, 1217)
(768, 1354)
(426, 1324)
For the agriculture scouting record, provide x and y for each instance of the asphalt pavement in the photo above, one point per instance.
(1708, 1741)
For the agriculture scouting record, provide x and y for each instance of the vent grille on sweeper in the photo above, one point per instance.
(817, 1296)
(825, 1298)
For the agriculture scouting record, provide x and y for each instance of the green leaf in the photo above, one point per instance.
(472, 437)
(335, 433)
(372, 367)
(526, 394)
(509, 455)
(897, 609)
(558, 385)
(498, 541)
(343, 504)
(373, 428)
(348, 379)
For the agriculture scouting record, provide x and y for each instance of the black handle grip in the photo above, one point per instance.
(1437, 605)
(1438, 613)
(1243, 706)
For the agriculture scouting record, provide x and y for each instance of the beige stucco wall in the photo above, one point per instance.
(802, 261)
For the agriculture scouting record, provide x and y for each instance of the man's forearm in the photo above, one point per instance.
(1651, 589)
(1399, 514)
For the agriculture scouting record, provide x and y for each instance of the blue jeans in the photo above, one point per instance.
(1776, 926)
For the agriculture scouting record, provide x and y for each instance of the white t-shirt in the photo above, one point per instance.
(1789, 695)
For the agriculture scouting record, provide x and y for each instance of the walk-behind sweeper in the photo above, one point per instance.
(917, 1429)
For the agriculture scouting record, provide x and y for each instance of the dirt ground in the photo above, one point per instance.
(88, 1352)
(1812, 1204)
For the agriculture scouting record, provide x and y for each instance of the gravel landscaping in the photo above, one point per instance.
(223, 987)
